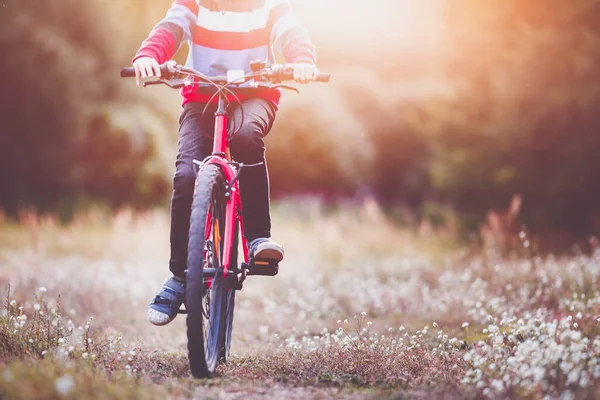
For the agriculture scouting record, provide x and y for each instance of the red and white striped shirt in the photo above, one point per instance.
(229, 38)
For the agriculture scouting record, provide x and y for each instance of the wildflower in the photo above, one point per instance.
(363, 314)
(30, 340)
(13, 303)
(42, 289)
(44, 353)
(465, 325)
(71, 348)
(84, 355)
(339, 321)
(131, 352)
(64, 385)
(578, 316)
(36, 307)
(401, 329)
(435, 325)
(61, 341)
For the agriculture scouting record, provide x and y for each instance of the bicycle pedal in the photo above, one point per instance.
(182, 311)
(263, 267)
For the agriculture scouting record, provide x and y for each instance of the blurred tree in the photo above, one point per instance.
(57, 144)
(527, 118)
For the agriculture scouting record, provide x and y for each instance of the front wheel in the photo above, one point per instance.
(206, 297)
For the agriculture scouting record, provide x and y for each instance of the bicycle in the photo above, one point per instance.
(213, 275)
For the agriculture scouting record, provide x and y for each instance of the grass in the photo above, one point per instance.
(360, 309)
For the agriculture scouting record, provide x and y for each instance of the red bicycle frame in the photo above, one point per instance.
(233, 207)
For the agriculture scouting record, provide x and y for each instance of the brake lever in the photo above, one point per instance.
(172, 83)
(284, 86)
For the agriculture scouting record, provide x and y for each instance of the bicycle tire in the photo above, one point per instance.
(204, 343)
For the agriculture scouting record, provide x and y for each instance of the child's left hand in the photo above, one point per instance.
(303, 72)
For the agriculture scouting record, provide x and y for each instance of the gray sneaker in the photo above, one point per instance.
(266, 249)
(164, 307)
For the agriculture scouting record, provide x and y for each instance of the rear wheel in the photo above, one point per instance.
(206, 297)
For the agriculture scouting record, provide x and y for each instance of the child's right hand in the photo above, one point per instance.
(146, 67)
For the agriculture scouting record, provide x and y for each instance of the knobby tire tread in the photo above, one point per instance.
(210, 182)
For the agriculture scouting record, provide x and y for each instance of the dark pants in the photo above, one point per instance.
(247, 146)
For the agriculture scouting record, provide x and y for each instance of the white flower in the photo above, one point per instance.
(578, 316)
(364, 314)
(64, 385)
(465, 325)
(84, 355)
(435, 325)
(71, 348)
(61, 341)
(42, 289)
(14, 303)
(44, 352)
(36, 307)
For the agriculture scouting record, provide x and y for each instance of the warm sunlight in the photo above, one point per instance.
(409, 24)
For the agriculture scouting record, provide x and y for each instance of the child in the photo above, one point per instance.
(223, 35)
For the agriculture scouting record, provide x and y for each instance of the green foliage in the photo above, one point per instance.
(58, 145)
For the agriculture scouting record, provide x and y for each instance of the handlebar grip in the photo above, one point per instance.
(128, 72)
(323, 77)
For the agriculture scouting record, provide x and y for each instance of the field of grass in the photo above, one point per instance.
(360, 309)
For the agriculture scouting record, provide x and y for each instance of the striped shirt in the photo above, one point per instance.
(226, 35)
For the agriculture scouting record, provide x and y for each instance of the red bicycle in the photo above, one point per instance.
(213, 273)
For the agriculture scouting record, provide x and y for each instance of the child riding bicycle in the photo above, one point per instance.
(223, 35)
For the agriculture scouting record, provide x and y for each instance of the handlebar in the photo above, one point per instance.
(274, 74)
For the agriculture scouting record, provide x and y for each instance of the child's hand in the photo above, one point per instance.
(303, 72)
(146, 67)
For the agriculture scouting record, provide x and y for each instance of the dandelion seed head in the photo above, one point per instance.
(64, 385)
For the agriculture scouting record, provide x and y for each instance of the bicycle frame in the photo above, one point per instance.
(233, 207)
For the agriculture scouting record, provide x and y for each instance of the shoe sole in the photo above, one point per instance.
(267, 251)
(158, 318)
